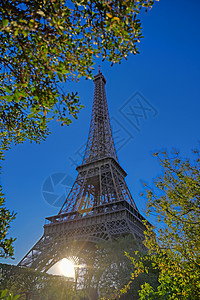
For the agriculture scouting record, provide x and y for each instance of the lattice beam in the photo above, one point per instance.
(99, 205)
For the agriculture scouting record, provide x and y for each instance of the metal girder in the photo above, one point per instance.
(99, 205)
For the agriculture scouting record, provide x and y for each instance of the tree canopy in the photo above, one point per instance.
(111, 270)
(175, 248)
(6, 217)
(31, 284)
(44, 43)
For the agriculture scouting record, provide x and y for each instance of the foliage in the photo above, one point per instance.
(6, 217)
(174, 250)
(6, 295)
(30, 284)
(47, 42)
(112, 269)
(6, 244)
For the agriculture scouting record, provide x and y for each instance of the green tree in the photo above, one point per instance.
(112, 269)
(6, 217)
(47, 42)
(175, 248)
(31, 284)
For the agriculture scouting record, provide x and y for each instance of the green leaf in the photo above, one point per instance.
(16, 32)
(5, 22)
(4, 293)
(16, 297)
(60, 77)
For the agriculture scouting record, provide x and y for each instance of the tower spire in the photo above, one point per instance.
(100, 142)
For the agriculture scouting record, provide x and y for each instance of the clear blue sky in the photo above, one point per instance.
(166, 75)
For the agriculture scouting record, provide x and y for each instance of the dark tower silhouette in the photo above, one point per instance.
(99, 205)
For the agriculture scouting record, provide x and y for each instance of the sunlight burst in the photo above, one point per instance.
(64, 267)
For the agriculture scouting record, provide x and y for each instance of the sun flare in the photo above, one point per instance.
(64, 267)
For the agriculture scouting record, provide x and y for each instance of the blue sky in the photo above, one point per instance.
(164, 78)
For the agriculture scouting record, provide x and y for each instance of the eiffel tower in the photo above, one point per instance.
(99, 205)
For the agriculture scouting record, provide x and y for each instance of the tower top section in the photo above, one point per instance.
(99, 76)
(100, 142)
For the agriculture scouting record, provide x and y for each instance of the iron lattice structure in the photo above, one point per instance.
(99, 205)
